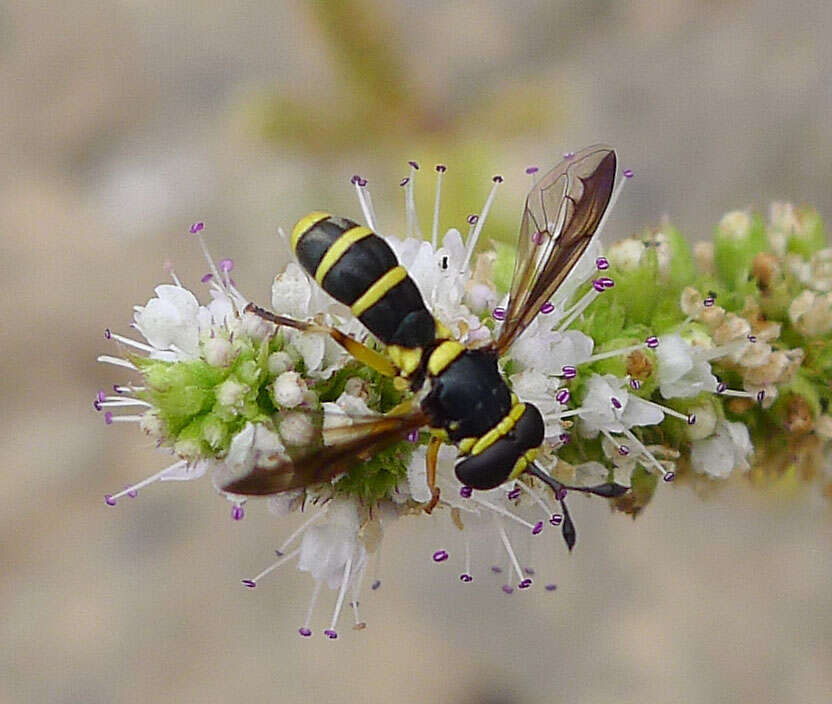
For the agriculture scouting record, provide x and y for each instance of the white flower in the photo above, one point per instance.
(681, 372)
(608, 407)
(169, 321)
(728, 449)
(626, 254)
(548, 351)
(327, 549)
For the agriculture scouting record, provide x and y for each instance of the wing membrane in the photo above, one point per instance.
(343, 447)
(562, 212)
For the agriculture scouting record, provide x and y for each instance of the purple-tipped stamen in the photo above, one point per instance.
(652, 342)
(569, 372)
(623, 450)
(628, 173)
(414, 164)
(551, 587)
(304, 631)
(691, 418)
(751, 338)
(598, 286)
(441, 168)
(472, 219)
(669, 476)
(547, 308)
(761, 395)
(538, 528)
(108, 418)
(238, 512)
(569, 155)
(497, 179)
(531, 170)
(602, 263)
(207, 277)
(496, 569)
(563, 396)
(525, 584)
(465, 492)
(606, 282)
(196, 227)
(440, 556)
(635, 384)
(465, 577)
(514, 494)
(413, 436)
(508, 589)
(404, 181)
(250, 583)
(331, 634)
(376, 584)
(556, 519)
(721, 386)
(615, 403)
(499, 313)
(564, 438)
(226, 265)
(109, 500)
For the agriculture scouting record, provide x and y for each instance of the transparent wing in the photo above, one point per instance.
(562, 212)
(342, 448)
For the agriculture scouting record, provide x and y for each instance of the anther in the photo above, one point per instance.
(635, 384)
(465, 577)
(525, 584)
(628, 173)
(691, 419)
(569, 372)
(250, 583)
(413, 436)
(207, 277)
(497, 179)
(441, 168)
(538, 527)
(499, 313)
(375, 585)
(563, 396)
(652, 342)
(414, 165)
(331, 633)
(196, 227)
(556, 519)
(564, 438)
(598, 286)
(109, 500)
(107, 333)
(606, 282)
(226, 265)
(465, 492)
(531, 170)
(514, 494)
(440, 556)
(602, 264)
(404, 181)
(623, 450)
(569, 155)
(547, 308)
(472, 219)
(508, 589)
(550, 587)
(305, 632)
(238, 512)
(615, 403)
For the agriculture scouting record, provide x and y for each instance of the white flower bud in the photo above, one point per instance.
(279, 362)
(287, 390)
(218, 352)
(705, 422)
(297, 429)
(735, 225)
(481, 297)
(231, 393)
(703, 255)
(255, 327)
(691, 302)
(626, 254)
(823, 426)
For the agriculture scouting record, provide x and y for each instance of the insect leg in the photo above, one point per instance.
(359, 351)
(432, 461)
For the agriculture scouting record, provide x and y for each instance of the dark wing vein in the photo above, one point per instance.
(561, 215)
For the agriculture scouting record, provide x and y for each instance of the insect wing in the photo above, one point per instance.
(562, 213)
(343, 447)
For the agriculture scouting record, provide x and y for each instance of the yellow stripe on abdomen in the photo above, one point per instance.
(502, 428)
(376, 292)
(337, 249)
(305, 224)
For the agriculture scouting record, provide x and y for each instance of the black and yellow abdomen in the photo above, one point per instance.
(358, 268)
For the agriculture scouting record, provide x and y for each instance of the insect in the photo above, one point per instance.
(459, 392)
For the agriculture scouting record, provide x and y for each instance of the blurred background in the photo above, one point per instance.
(123, 122)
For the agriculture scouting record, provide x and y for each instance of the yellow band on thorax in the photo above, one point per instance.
(337, 249)
(306, 222)
(443, 355)
(407, 359)
(502, 428)
(376, 292)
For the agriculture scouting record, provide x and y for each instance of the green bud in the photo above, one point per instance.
(738, 237)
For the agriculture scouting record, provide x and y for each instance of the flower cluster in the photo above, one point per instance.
(651, 361)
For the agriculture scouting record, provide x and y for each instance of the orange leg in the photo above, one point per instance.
(432, 461)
